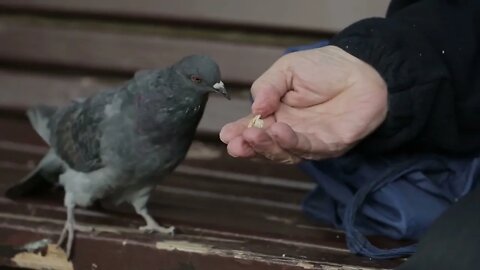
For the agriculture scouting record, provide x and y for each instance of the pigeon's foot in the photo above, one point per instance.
(69, 228)
(69, 233)
(151, 228)
(152, 225)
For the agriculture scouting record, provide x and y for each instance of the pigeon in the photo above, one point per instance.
(117, 144)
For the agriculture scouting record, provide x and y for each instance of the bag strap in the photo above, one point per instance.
(356, 241)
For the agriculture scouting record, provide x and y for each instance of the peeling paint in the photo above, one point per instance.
(305, 265)
(184, 246)
(203, 249)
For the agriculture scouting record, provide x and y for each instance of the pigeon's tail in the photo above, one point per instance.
(42, 177)
(39, 118)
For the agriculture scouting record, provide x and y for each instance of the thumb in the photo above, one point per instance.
(268, 89)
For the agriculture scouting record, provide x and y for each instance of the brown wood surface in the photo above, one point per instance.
(235, 222)
(117, 53)
(303, 15)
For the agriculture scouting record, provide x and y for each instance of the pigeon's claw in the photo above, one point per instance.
(151, 228)
(71, 232)
(69, 228)
(62, 236)
(68, 233)
(152, 225)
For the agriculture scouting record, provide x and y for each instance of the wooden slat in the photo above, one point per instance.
(306, 15)
(24, 89)
(260, 229)
(125, 54)
(191, 212)
(262, 220)
(201, 251)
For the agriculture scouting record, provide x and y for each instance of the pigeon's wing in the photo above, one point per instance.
(76, 133)
(39, 117)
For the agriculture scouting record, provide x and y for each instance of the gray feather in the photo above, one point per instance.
(76, 132)
(112, 144)
(40, 118)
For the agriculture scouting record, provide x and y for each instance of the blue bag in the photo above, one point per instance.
(394, 196)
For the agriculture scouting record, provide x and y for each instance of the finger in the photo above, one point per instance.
(270, 87)
(234, 129)
(263, 144)
(303, 99)
(303, 145)
(238, 147)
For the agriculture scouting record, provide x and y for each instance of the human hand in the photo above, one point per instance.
(315, 104)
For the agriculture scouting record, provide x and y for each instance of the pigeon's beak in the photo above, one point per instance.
(220, 88)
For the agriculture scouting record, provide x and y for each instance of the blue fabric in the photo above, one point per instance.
(394, 196)
(398, 197)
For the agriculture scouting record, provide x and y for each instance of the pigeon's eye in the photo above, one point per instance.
(196, 79)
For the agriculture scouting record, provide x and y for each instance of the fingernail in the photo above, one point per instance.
(222, 138)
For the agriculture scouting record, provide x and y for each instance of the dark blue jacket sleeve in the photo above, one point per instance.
(427, 51)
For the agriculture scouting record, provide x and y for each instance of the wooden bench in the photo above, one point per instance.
(231, 214)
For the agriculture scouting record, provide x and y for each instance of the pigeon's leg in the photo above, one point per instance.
(140, 205)
(69, 227)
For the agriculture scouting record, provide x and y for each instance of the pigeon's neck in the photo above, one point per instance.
(176, 110)
(167, 99)
(168, 86)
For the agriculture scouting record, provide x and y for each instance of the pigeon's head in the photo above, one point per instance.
(202, 73)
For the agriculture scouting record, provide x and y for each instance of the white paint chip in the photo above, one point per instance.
(184, 246)
(305, 265)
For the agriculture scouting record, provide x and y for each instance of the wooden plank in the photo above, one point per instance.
(304, 15)
(188, 211)
(129, 251)
(124, 54)
(262, 220)
(197, 220)
(23, 89)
